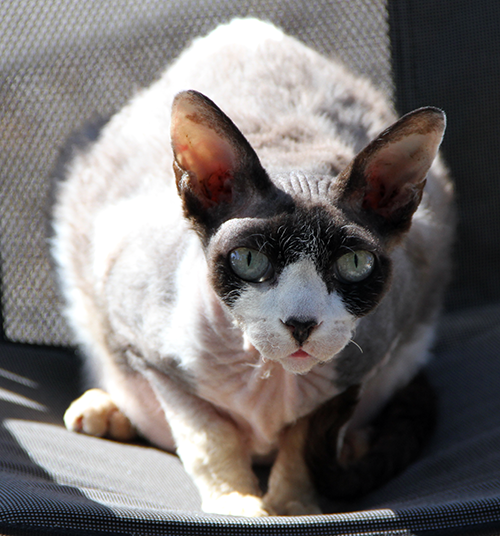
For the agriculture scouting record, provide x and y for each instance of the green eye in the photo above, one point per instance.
(355, 266)
(250, 265)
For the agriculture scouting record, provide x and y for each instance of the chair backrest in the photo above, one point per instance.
(447, 54)
(63, 64)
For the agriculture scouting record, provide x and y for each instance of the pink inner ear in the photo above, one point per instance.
(207, 155)
(395, 166)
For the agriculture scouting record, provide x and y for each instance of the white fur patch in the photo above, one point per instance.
(301, 293)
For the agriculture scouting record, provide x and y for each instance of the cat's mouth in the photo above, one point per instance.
(300, 362)
(300, 354)
(323, 345)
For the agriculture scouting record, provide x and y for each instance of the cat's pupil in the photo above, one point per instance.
(355, 266)
(250, 265)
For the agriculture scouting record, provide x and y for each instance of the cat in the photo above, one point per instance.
(240, 278)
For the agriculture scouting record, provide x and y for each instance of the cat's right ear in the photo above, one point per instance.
(216, 169)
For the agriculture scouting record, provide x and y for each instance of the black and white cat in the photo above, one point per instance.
(288, 258)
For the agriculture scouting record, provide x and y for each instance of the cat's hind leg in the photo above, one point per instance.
(95, 413)
(398, 435)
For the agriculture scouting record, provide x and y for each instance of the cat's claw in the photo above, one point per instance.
(237, 504)
(95, 413)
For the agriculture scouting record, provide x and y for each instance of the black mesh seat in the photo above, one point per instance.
(65, 63)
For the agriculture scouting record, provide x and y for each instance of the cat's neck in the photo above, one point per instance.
(257, 394)
(260, 396)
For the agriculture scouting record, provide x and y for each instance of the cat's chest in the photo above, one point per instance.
(261, 397)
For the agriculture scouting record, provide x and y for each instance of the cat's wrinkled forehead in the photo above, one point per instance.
(306, 187)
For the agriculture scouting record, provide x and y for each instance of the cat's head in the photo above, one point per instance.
(298, 271)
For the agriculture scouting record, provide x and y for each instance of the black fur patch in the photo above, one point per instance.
(320, 233)
(399, 435)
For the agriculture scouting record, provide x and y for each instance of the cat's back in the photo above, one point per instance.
(297, 108)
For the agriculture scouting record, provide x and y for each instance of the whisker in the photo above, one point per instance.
(357, 345)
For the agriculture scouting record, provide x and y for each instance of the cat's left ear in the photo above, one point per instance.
(383, 185)
(215, 167)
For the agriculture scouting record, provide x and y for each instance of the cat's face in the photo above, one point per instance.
(297, 269)
(298, 281)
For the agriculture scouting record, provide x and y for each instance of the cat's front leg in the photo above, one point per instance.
(212, 449)
(291, 491)
(213, 452)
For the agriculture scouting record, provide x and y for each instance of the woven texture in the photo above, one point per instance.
(68, 62)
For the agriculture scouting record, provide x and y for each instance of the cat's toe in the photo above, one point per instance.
(356, 445)
(237, 504)
(95, 413)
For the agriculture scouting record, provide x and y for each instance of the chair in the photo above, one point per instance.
(65, 63)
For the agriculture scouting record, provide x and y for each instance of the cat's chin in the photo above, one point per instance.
(299, 363)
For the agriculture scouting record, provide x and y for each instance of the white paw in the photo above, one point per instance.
(95, 413)
(236, 504)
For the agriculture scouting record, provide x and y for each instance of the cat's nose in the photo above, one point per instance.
(301, 329)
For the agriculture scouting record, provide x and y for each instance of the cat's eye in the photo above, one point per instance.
(355, 266)
(250, 265)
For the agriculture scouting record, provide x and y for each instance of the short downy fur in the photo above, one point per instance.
(256, 281)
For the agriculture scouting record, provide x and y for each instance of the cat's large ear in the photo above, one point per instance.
(216, 169)
(384, 183)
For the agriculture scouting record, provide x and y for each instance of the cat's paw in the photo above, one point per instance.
(236, 504)
(297, 508)
(95, 413)
(293, 507)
